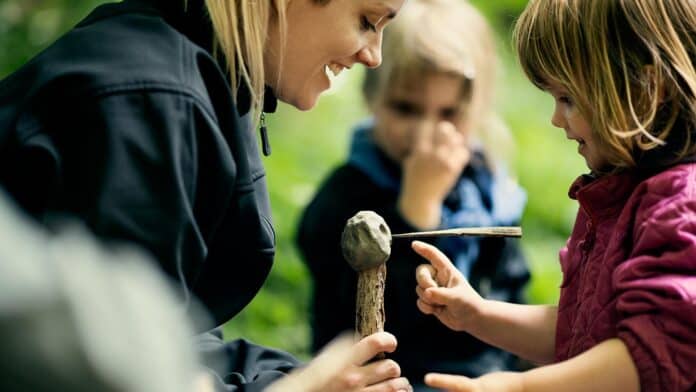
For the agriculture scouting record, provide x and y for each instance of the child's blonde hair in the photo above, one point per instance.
(450, 37)
(629, 65)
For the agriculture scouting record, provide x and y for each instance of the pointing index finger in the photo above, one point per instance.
(433, 255)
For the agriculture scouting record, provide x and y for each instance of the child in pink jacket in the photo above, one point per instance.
(623, 77)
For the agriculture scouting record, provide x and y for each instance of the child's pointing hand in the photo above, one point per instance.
(443, 291)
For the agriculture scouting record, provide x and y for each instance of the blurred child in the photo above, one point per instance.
(421, 162)
(623, 79)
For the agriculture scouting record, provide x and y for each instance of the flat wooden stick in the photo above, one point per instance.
(499, 231)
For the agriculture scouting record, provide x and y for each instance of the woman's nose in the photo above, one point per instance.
(371, 54)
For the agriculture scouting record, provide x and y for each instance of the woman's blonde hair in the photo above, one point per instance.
(450, 37)
(629, 65)
(241, 30)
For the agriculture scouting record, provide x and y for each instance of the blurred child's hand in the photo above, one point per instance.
(437, 158)
(344, 366)
(443, 291)
(492, 382)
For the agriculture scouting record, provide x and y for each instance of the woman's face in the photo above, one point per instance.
(323, 39)
(402, 109)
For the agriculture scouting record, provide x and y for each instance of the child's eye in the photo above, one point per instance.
(366, 25)
(448, 113)
(565, 100)
(404, 108)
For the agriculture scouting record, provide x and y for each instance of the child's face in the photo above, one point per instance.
(438, 97)
(567, 116)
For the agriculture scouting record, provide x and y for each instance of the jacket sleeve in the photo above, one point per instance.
(239, 365)
(127, 165)
(657, 296)
(503, 273)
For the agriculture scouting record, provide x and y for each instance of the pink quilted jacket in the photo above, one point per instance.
(629, 271)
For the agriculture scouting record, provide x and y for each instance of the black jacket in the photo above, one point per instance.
(128, 123)
(425, 345)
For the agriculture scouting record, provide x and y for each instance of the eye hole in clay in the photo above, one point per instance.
(383, 229)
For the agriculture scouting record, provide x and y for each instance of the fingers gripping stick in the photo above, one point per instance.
(366, 244)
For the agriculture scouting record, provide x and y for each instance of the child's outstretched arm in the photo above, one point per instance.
(525, 330)
(605, 367)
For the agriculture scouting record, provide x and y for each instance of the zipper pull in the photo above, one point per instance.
(265, 144)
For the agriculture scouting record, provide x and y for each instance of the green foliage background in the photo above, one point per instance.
(307, 145)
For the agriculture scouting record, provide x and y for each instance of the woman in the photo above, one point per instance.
(137, 122)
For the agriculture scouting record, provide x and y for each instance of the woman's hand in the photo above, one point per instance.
(437, 158)
(492, 382)
(443, 291)
(343, 366)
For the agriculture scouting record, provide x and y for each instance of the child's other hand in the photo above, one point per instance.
(492, 382)
(443, 291)
(438, 156)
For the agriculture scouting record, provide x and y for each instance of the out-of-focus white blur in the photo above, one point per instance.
(76, 316)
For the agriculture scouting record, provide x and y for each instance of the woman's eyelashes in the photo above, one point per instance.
(366, 25)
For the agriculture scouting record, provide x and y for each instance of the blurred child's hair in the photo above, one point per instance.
(629, 66)
(450, 37)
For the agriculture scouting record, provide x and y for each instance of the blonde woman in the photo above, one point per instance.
(137, 122)
(424, 160)
(623, 78)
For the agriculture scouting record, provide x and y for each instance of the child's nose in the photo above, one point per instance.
(558, 119)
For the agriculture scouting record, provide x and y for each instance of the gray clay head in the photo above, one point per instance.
(366, 240)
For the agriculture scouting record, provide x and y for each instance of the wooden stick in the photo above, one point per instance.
(499, 231)
(369, 306)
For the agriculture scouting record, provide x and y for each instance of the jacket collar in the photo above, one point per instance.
(270, 102)
(189, 17)
(603, 196)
